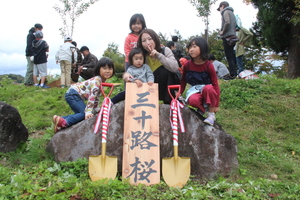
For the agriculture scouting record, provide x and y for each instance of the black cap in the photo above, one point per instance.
(38, 26)
(225, 3)
(84, 48)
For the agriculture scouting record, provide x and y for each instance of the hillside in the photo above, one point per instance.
(263, 115)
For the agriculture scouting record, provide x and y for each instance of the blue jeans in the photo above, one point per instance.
(77, 105)
(239, 63)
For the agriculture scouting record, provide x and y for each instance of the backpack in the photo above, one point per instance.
(238, 22)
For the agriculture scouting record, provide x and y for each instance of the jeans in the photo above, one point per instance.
(239, 63)
(230, 56)
(77, 105)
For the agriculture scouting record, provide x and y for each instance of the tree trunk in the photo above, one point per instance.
(294, 53)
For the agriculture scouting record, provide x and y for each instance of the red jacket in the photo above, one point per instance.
(130, 43)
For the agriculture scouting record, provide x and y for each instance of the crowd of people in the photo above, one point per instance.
(146, 61)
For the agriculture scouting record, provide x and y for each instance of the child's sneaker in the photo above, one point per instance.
(210, 119)
(44, 86)
(59, 123)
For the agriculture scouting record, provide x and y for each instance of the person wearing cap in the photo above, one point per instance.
(86, 70)
(40, 49)
(64, 57)
(227, 30)
(29, 53)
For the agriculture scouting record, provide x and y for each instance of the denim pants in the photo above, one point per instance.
(230, 56)
(239, 63)
(77, 105)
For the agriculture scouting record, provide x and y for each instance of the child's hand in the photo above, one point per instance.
(89, 116)
(139, 83)
(150, 83)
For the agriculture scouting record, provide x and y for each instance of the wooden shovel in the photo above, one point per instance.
(103, 166)
(176, 170)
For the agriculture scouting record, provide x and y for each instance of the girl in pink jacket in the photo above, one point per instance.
(136, 24)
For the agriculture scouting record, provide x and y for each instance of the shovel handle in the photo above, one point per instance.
(173, 87)
(105, 119)
(103, 84)
(175, 124)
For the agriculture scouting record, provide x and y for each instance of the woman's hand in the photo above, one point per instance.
(89, 116)
(127, 77)
(152, 51)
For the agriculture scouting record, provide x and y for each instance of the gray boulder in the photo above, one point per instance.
(12, 130)
(211, 150)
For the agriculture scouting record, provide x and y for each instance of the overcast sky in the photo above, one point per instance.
(104, 22)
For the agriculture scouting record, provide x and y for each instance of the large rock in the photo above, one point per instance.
(212, 151)
(12, 130)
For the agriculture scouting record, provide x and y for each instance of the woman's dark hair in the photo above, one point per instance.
(154, 37)
(134, 19)
(133, 52)
(102, 63)
(202, 44)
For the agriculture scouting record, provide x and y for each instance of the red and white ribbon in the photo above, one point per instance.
(104, 117)
(175, 116)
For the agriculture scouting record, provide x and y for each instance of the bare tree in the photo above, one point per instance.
(203, 8)
(69, 11)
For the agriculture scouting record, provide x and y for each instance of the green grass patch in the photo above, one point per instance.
(263, 115)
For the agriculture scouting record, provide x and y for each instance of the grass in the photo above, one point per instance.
(263, 115)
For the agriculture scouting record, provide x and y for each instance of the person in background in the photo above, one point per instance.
(227, 30)
(64, 58)
(86, 70)
(178, 46)
(136, 24)
(75, 63)
(40, 49)
(220, 68)
(87, 90)
(200, 73)
(29, 53)
(244, 35)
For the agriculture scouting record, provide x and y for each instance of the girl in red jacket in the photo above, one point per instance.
(200, 73)
(136, 24)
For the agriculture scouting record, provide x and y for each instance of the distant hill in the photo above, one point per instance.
(14, 77)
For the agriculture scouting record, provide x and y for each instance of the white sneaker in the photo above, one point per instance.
(210, 119)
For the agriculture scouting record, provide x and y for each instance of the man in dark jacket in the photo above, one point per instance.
(86, 70)
(228, 29)
(29, 52)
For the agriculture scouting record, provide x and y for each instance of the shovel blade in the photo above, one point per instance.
(176, 171)
(103, 167)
